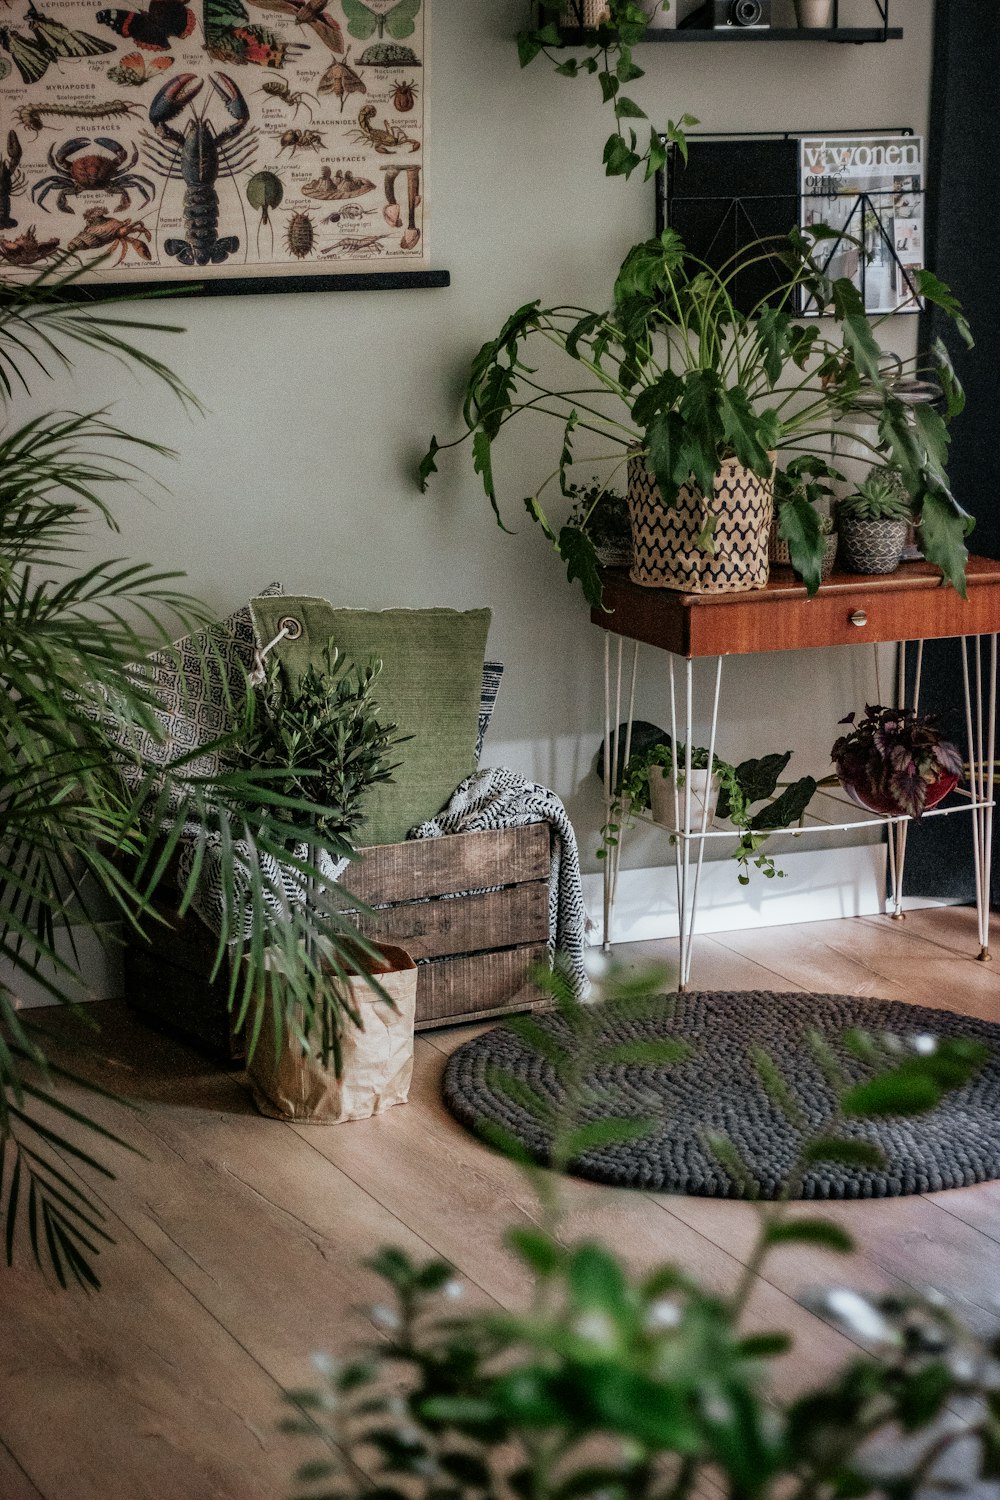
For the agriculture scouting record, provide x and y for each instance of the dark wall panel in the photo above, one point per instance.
(964, 249)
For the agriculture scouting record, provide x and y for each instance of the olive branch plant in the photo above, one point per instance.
(75, 844)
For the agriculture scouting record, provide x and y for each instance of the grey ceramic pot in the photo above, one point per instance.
(871, 546)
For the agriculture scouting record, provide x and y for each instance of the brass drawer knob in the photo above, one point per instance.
(858, 618)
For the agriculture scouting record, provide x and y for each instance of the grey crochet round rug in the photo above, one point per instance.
(716, 1090)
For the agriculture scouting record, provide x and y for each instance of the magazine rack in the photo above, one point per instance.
(741, 187)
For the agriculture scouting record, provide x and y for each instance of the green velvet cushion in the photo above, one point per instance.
(432, 671)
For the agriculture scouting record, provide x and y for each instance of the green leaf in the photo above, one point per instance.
(543, 1254)
(628, 109)
(847, 1150)
(609, 86)
(900, 1092)
(788, 808)
(765, 1345)
(799, 526)
(943, 531)
(619, 159)
(933, 290)
(647, 1054)
(427, 465)
(529, 44)
(810, 1232)
(533, 506)
(596, 1280)
(580, 556)
(598, 1133)
(758, 779)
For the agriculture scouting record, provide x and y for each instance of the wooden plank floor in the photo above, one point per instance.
(239, 1239)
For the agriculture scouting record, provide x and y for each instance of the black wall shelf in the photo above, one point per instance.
(858, 35)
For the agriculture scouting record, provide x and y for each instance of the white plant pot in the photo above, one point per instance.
(813, 15)
(661, 795)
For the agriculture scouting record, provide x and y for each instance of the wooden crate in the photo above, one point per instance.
(475, 951)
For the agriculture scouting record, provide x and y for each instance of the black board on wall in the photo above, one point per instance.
(729, 193)
(736, 189)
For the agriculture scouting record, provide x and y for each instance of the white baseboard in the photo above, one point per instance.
(98, 961)
(819, 885)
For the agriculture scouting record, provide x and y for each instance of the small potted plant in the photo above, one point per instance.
(601, 514)
(319, 739)
(800, 526)
(874, 522)
(744, 797)
(896, 761)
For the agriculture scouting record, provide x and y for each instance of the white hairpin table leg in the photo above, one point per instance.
(615, 811)
(898, 831)
(688, 877)
(980, 727)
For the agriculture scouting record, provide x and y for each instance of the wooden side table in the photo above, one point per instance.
(850, 609)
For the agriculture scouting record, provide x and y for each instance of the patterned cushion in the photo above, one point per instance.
(200, 686)
(492, 673)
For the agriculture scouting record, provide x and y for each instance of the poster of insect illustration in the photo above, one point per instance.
(200, 140)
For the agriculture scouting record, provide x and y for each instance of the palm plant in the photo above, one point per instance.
(73, 838)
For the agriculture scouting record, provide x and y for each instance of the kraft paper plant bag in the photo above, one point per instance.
(289, 1084)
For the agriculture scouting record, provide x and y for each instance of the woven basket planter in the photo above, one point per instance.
(664, 538)
(780, 552)
(593, 12)
(871, 546)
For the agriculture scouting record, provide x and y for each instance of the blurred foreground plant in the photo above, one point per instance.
(611, 1386)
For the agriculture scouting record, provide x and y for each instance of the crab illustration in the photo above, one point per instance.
(102, 174)
(26, 249)
(126, 234)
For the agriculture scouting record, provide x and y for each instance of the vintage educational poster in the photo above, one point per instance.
(201, 139)
(871, 188)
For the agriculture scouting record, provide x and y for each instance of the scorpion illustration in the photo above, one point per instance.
(278, 89)
(385, 141)
(11, 179)
(196, 157)
(33, 116)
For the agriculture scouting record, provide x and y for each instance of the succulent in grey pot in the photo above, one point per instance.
(873, 524)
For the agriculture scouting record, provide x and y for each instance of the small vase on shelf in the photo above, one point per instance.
(814, 15)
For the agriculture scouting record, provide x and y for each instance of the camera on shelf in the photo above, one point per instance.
(749, 15)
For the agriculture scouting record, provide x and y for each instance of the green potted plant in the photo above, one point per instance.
(602, 515)
(799, 484)
(319, 738)
(874, 521)
(745, 797)
(693, 399)
(896, 761)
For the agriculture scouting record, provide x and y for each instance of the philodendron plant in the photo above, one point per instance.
(675, 372)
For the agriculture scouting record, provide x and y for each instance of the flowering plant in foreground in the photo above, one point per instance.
(615, 1386)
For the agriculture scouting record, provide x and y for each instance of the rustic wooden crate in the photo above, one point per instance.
(475, 951)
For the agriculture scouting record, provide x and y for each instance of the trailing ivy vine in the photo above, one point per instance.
(607, 55)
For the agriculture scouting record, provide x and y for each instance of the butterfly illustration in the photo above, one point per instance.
(231, 38)
(135, 69)
(309, 13)
(152, 27)
(51, 42)
(364, 22)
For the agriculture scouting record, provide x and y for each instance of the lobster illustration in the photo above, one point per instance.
(196, 157)
(11, 179)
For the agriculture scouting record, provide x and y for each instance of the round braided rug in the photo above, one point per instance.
(716, 1090)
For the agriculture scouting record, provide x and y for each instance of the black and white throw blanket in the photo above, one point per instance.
(282, 886)
(498, 798)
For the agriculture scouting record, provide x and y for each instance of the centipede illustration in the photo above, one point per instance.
(33, 116)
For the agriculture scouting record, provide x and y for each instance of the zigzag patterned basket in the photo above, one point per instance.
(664, 538)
